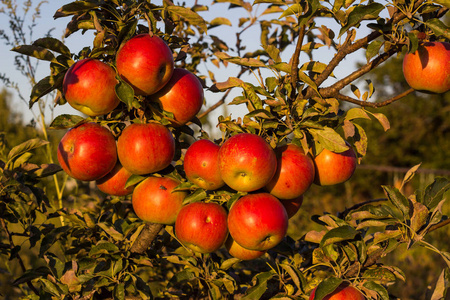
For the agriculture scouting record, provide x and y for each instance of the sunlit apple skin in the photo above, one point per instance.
(342, 293)
(294, 175)
(87, 152)
(155, 201)
(89, 87)
(202, 226)
(428, 69)
(237, 251)
(115, 181)
(146, 63)
(182, 95)
(145, 148)
(201, 165)
(246, 162)
(292, 206)
(258, 221)
(333, 168)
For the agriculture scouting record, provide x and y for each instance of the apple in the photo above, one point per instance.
(343, 292)
(145, 148)
(334, 168)
(237, 251)
(87, 152)
(292, 206)
(246, 162)
(155, 201)
(89, 87)
(182, 96)
(146, 63)
(257, 221)
(114, 182)
(428, 68)
(294, 175)
(202, 226)
(201, 165)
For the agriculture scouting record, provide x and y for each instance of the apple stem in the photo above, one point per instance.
(146, 237)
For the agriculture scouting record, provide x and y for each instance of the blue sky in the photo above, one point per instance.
(78, 41)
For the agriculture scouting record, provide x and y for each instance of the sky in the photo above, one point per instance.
(77, 41)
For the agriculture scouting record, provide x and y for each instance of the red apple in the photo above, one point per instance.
(154, 200)
(145, 148)
(258, 221)
(428, 69)
(334, 168)
(146, 63)
(246, 162)
(201, 165)
(343, 292)
(87, 152)
(114, 182)
(202, 226)
(89, 86)
(294, 175)
(292, 206)
(240, 252)
(182, 96)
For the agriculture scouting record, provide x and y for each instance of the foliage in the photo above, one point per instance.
(94, 246)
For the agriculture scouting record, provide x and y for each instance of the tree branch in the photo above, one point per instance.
(146, 237)
(296, 61)
(373, 104)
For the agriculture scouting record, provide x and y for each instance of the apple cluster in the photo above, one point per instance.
(270, 182)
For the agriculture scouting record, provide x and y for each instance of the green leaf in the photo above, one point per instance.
(398, 199)
(111, 231)
(76, 7)
(35, 51)
(119, 291)
(339, 234)
(438, 27)
(329, 139)
(378, 288)
(55, 264)
(125, 93)
(53, 44)
(296, 9)
(230, 83)
(261, 113)
(442, 285)
(326, 287)
(380, 274)
(45, 86)
(189, 15)
(434, 192)
(356, 113)
(25, 147)
(198, 195)
(103, 248)
(218, 21)
(256, 291)
(445, 3)
(226, 264)
(362, 12)
(66, 121)
(373, 49)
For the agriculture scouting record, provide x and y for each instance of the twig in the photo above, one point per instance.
(296, 61)
(374, 104)
(439, 225)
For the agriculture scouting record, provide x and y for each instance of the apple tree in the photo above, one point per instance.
(157, 221)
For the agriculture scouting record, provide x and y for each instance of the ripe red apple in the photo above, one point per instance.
(146, 63)
(145, 148)
(334, 168)
(428, 69)
(154, 200)
(89, 86)
(343, 292)
(87, 152)
(240, 252)
(114, 182)
(292, 206)
(202, 226)
(294, 175)
(182, 96)
(246, 162)
(201, 165)
(257, 221)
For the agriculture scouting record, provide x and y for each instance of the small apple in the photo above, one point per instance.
(202, 226)
(154, 200)
(89, 86)
(343, 292)
(87, 152)
(201, 165)
(114, 182)
(257, 221)
(237, 251)
(145, 148)
(292, 206)
(146, 63)
(182, 96)
(294, 175)
(246, 162)
(428, 69)
(334, 168)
